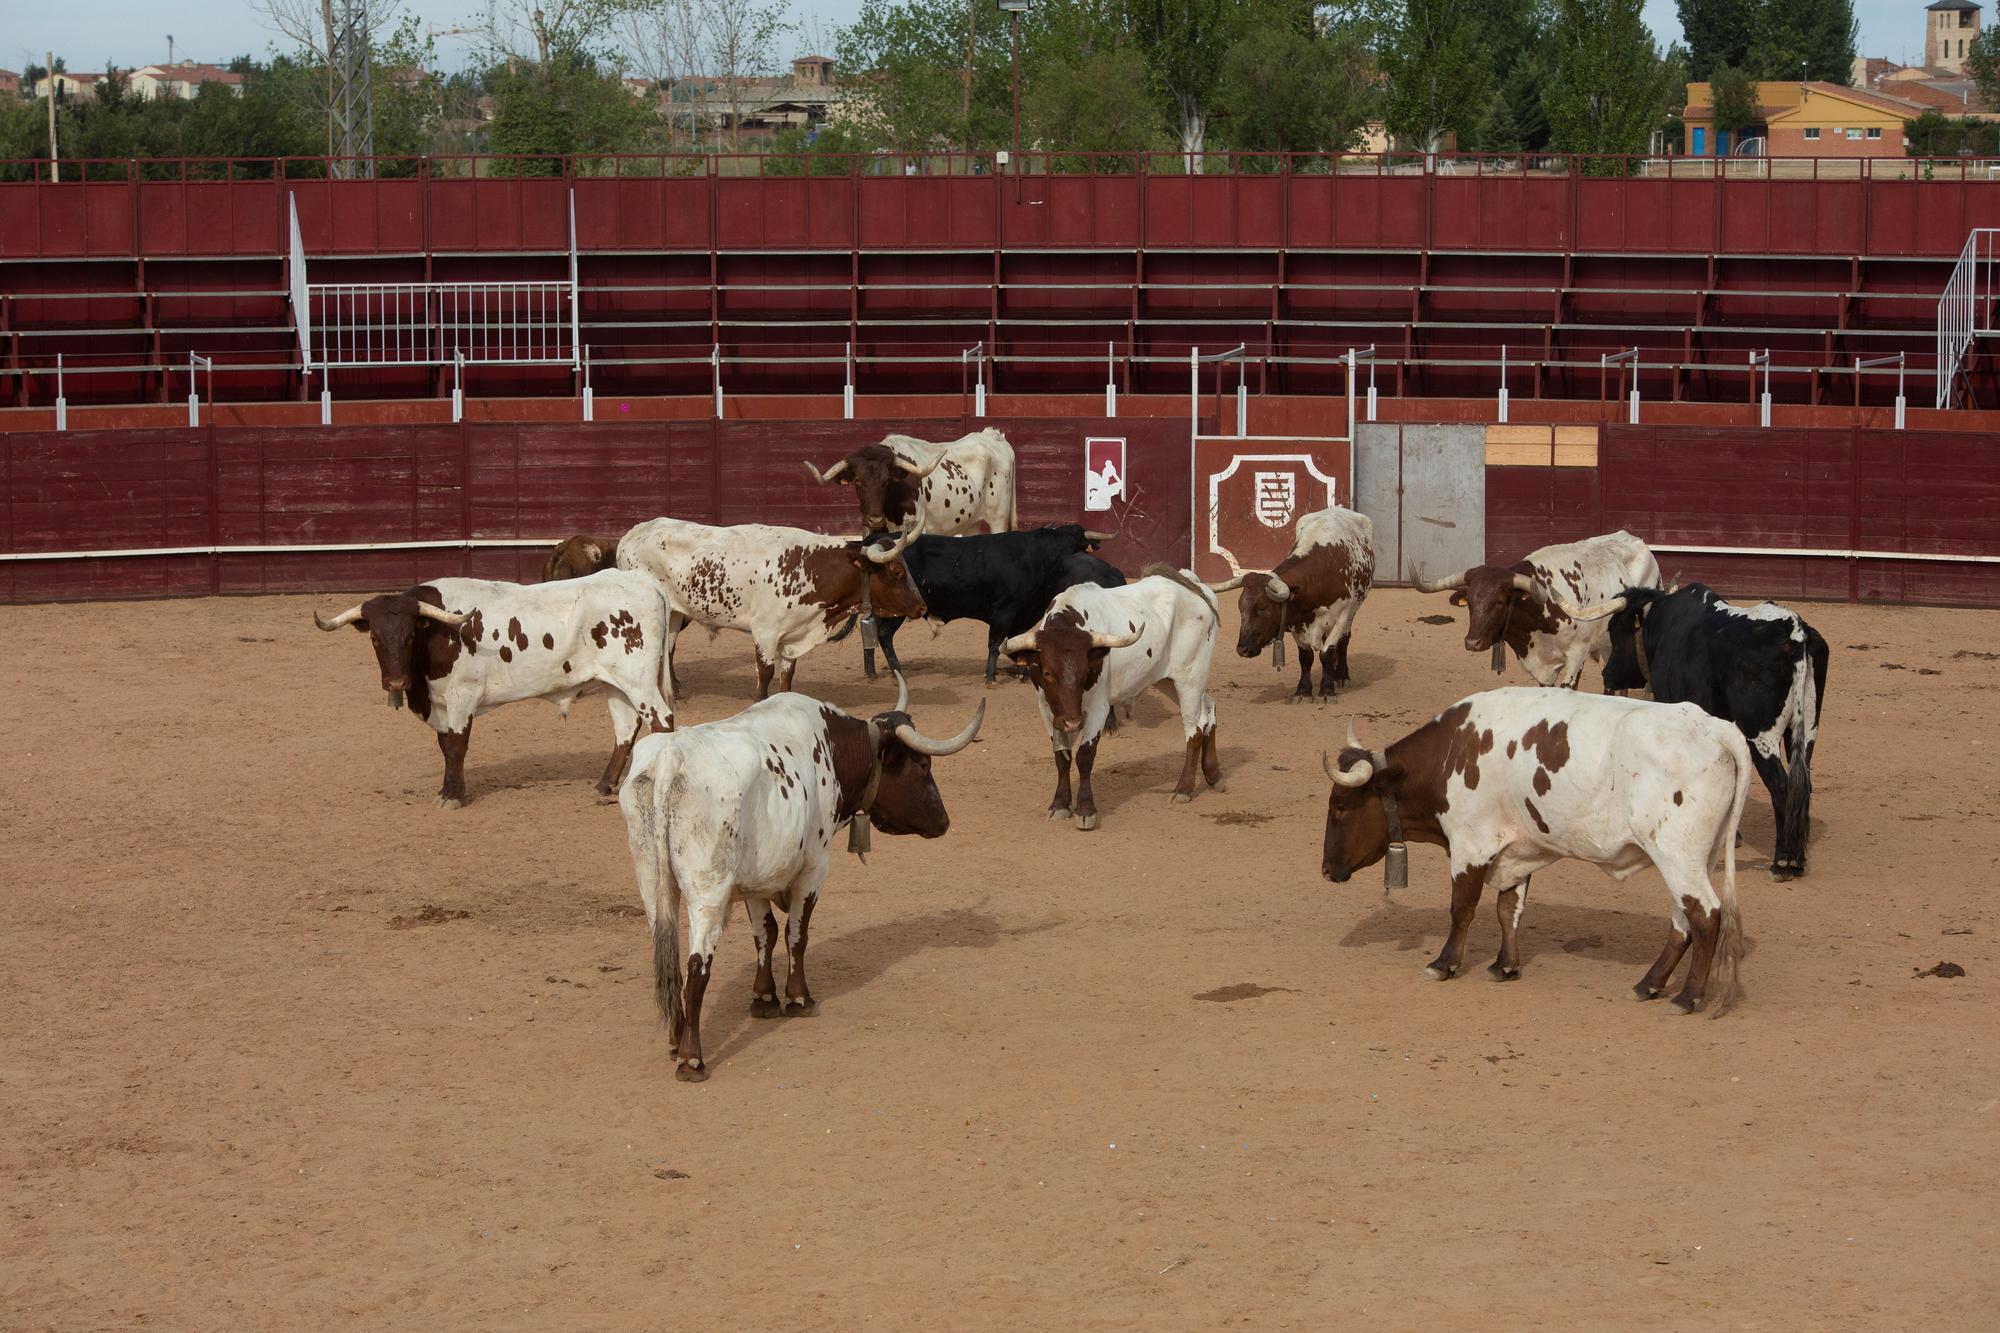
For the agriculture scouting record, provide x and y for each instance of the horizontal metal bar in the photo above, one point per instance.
(473, 543)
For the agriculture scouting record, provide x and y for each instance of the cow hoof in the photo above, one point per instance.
(1437, 973)
(1217, 784)
(1785, 872)
(690, 1073)
(1644, 992)
(1058, 812)
(766, 1009)
(1180, 796)
(810, 1009)
(450, 803)
(1681, 1004)
(1085, 823)
(1500, 973)
(1298, 699)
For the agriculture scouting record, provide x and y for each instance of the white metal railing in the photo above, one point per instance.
(1965, 310)
(437, 323)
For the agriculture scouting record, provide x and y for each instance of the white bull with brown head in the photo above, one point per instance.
(952, 488)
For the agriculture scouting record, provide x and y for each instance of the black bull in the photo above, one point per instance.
(1006, 579)
(1747, 669)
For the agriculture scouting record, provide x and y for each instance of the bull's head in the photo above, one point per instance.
(891, 590)
(1063, 660)
(907, 799)
(886, 484)
(1262, 608)
(575, 557)
(393, 622)
(1498, 601)
(1357, 823)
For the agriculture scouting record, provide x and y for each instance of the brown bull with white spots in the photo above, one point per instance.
(952, 488)
(574, 557)
(457, 648)
(790, 590)
(745, 810)
(1520, 606)
(1097, 648)
(1513, 780)
(1313, 594)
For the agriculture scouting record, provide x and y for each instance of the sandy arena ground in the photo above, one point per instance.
(287, 1047)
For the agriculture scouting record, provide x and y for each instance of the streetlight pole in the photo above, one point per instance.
(1013, 9)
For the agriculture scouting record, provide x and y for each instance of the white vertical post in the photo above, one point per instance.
(1194, 391)
(325, 403)
(1242, 404)
(458, 384)
(1503, 384)
(589, 399)
(1901, 402)
(1352, 364)
(715, 373)
(1371, 383)
(194, 396)
(847, 390)
(979, 381)
(1110, 380)
(62, 403)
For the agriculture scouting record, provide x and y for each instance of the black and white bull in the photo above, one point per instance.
(1519, 606)
(790, 590)
(1006, 579)
(457, 648)
(952, 487)
(745, 810)
(1313, 594)
(1761, 667)
(1513, 780)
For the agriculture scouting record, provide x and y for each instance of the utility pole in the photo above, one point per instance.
(55, 158)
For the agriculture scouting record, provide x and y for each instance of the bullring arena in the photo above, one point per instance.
(291, 1046)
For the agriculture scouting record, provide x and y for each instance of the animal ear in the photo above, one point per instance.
(1026, 658)
(361, 624)
(1458, 598)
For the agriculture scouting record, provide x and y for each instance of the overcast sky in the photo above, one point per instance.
(88, 33)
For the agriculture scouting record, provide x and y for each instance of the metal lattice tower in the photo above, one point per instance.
(353, 104)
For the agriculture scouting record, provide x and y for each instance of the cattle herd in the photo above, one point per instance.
(747, 808)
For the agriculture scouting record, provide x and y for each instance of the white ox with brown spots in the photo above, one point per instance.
(457, 648)
(745, 810)
(952, 488)
(1096, 648)
(1513, 780)
(787, 588)
(1520, 606)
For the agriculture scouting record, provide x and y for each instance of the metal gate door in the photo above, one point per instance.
(1424, 487)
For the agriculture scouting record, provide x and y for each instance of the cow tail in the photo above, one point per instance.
(1725, 975)
(1797, 814)
(650, 835)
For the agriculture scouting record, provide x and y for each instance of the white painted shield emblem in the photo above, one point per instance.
(1277, 497)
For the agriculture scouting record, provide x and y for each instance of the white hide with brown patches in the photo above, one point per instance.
(1335, 526)
(1584, 573)
(1177, 647)
(607, 633)
(973, 484)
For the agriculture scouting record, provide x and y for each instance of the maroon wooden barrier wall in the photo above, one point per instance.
(293, 486)
(1845, 490)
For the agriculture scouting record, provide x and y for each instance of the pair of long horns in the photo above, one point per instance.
(1025, 640)
(902, 543)
(833, 473)
(1360, 774)
(1597, 612)
(1275, 588)
(922, 744)
(1522, 583)
(353, 613)
(829, 476)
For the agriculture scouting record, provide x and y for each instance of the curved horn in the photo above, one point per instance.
(1522, 583)
(1277, 589)
(920, 470)
(1596, 612)
(1099, 639)
(1020, 643)
(910, 534)
(1353, 741)
(443, 617)
(1422, 584)
(902, 695)
(1230, 586)
(1357, 778)
(923, 744)
(831, 474)
(347, 617)
(1099, 538)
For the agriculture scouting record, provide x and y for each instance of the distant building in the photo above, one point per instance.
(182, 81)
(67, 85)
(10, 83)
(1950, 28)
(1804, 120)
(758, 108)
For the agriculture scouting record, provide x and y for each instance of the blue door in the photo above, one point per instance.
(1722, 143)
(1700, 140)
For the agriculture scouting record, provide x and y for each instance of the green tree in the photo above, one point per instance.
(1440, 81)
(1982, 61)
(1735, 96)
(1084, 103)
(1718, 33)
(567, 107)
(1814, 39)
(1609, 88)
(907, 62)
(1284, 91)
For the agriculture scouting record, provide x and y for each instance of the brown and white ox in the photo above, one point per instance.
(574, 557)
(1513, 780)
(457, 648)
(952, 487)
(1520, 606)
(790, 590)
(746, 810)
(1096, 648)
(1313, 594)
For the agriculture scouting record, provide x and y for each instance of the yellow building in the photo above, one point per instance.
(1804, 120)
